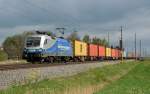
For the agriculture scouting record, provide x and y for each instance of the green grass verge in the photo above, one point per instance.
(60, 85)
(136, 81)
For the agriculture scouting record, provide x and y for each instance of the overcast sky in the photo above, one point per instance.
(94, 17)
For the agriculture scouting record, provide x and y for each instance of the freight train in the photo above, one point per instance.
(45, 48)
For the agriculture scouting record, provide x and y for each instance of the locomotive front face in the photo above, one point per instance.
(34, 42)
(33, 46)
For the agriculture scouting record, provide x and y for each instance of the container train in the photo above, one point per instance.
(45, 48)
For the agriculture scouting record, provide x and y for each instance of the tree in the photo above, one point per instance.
(87, 39)
(14, 45)
(96, 40)
(3, 55)
(99, 41)
(73, 36)
(105, 42)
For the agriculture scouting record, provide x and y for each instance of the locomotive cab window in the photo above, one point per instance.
(33, 41)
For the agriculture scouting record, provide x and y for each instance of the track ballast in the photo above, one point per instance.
(29, 65)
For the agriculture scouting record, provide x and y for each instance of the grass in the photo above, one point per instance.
(136, 81)
(82, 83)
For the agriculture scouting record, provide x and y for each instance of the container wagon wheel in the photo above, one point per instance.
(82, 59)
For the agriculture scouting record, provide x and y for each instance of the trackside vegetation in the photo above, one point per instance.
(82, 83)
(137, 81)
(3, 56)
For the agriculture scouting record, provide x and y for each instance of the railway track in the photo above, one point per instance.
(29, 65)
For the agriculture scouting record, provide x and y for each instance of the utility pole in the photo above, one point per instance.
(108, 38)
(140, 48)
(121, 41)
(145, 52)
(121, 45)
(135, 47)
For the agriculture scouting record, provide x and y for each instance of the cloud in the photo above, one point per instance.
(33, 12)
(94, 17)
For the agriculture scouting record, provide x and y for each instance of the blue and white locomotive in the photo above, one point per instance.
(42, 47)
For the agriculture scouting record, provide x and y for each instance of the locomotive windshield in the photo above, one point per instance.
(33, 41)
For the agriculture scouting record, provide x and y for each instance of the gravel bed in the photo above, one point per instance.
(24, 76)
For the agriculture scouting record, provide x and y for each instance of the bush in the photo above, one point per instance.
(3, 56)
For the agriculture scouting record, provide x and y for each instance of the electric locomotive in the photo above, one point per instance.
(42, 47)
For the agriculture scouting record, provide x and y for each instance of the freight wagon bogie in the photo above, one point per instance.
(79, 58)
(92, 58)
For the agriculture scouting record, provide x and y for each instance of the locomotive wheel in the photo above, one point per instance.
(31, 60)
(42, 60)
(50, 59)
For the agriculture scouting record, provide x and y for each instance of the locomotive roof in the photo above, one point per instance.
(37, 35)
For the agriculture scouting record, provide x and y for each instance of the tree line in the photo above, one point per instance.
(14, 45)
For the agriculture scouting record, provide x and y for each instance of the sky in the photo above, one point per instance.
(93, 17)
